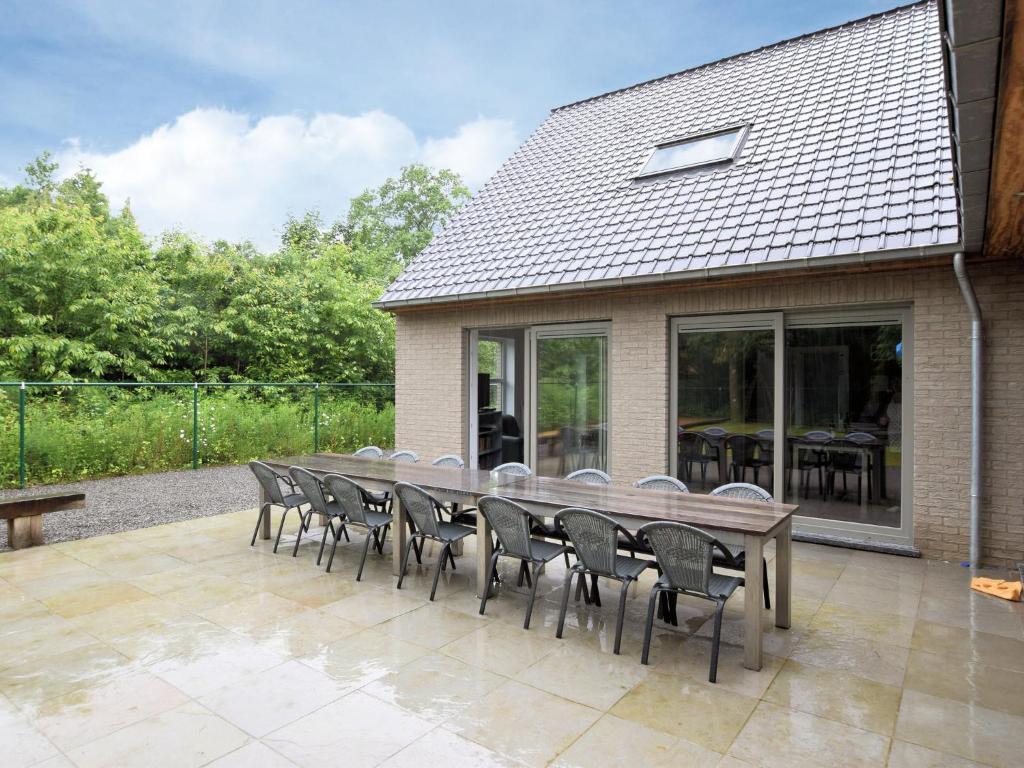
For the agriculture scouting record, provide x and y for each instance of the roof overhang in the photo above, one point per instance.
(972, 33)
(789, 265)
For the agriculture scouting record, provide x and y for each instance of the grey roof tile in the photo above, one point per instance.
(848, 152)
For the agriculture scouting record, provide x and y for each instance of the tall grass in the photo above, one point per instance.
(82, 434)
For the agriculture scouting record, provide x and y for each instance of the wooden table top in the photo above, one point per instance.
(472, 482)
(723, 514)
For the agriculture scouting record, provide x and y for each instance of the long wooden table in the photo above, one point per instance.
(756, 522)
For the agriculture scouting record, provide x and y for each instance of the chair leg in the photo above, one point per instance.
(344, 530)
(334, 549)
(566, 587)
(440, 565)
(362, 560)
(405, 561)
(490, 580)
(383, 538)
(533, 594)
(451, 557)
(303, 526)
(764, 574)
(623, 591)
(713, 675)
(649, 624)
(264, 510)
(279, 529)
(323, 540)
(595, 595)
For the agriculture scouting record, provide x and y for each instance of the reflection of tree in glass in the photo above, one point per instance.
(571, 382)
(719, 372)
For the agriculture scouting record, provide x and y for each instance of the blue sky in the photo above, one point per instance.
(224, 117)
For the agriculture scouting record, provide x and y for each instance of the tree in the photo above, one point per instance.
(76, 296)
(386, 227)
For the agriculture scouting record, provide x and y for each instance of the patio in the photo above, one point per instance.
(179, 645)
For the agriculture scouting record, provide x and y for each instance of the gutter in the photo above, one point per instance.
(706, 273)
(977, 402)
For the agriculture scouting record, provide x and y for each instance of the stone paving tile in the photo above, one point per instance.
(196, 649)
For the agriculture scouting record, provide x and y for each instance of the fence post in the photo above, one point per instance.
(316, 418)
(21, 435)
(195, 425)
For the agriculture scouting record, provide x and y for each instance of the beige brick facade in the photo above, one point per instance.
(431, 381)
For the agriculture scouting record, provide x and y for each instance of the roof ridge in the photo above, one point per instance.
(716, 62)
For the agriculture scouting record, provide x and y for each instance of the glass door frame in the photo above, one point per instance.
(866, 532)
(754, 321)
(537, 333)
(812, 318)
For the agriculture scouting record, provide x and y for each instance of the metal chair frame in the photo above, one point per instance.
(687, 573)
(616, 567)
(515, 540)
(313, 489)
(424, 514)
(270, 480)
(355, 509)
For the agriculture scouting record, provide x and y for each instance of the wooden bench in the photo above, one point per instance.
(24, 515)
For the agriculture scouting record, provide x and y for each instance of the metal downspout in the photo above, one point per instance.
(960, 268)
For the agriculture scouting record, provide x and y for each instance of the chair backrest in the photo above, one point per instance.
(715, 431)
(765, 434)
(449, 460)
(743, 448)
(662, 483)
(311, 488)
(420, 506)
(743, 491)
(370, 452)
(818, 435)
(267, 479)
(590, 477)
(594, 536)
(684, 554)
(409, 457)
(351, 496)
(692, 445)
(861, 437)
(511, 524)
(513, 468)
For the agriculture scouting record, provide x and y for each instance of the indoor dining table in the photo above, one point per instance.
(754, 523)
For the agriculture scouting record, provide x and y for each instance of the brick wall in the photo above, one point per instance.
(431, 380)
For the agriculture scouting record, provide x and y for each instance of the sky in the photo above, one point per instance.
(224, 118)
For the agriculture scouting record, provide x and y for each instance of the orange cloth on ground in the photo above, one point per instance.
(1008, 590)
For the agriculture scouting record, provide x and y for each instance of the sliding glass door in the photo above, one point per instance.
(847, 423)
(570, 398)
(813, 407)
(724, 384)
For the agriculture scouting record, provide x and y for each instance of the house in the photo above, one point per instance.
(759, 269)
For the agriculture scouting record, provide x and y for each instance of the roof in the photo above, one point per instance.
(848, 158)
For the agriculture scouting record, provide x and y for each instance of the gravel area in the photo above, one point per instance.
(117, 504)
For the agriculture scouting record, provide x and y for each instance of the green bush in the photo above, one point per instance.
(89, 433)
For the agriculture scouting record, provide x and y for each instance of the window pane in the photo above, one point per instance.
(726, 404)
(572, 404)
(488, 358)
(845, 414)
(693, 152)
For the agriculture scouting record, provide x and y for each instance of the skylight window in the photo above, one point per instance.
(699, 150)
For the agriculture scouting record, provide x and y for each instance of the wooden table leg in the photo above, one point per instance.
(265, 525)
(783, 575)
(483, 554)
(753, 599)
(399, 534)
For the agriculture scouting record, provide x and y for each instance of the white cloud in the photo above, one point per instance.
(221, 174)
